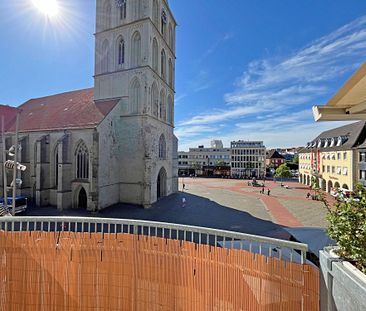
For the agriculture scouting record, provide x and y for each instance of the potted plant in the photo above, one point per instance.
(343, 285)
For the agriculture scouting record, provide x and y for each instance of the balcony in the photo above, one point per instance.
(68, 263)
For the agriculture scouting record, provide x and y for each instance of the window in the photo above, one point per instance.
(339, 170)
(136, 49)
(362, 156)
(170, 110)
(156, 13)
(344, 155)
(106, 18)
(328, 168)
(56, 167)
(338, 155)
(105, 56)
(122, 9)
(137, 9)
(163, 64)
(155, 100)
(333, 169)
(162, 147)
(135, 96)
(82, 161)
(170, 72)
(345, 171)
(171, 39)
(363, 174)
(323, 168)
(164, 20)
(121, 51)
(162, 110)
(155, 56)
(339, 141)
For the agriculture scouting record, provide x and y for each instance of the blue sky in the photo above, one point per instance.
(245, 69)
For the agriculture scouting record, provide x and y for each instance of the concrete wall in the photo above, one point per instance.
(340, 288)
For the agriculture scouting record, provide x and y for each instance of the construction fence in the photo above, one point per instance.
(94, 271)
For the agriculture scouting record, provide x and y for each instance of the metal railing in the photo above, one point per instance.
(281, 249)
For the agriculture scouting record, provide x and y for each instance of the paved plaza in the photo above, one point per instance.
(223, 204)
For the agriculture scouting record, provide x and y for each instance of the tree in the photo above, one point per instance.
(283, 172)
(220, 163)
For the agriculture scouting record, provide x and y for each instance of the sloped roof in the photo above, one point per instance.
(70, 110)
(274, 154)
(355, 133)
(9, 114)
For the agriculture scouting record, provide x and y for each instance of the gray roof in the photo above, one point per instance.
(352, 135)
(274, 154)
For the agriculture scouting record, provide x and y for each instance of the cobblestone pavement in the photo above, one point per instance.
(286, 207)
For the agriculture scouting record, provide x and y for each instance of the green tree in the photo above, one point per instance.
(220, 163)
(283, 172)
(347, 226)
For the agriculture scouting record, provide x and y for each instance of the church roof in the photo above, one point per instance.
(71, 110)
(9, 114)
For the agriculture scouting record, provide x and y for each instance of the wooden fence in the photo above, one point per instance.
(95, 271)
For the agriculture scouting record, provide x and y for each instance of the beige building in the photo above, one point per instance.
(333, 158)
(113, 143)
(248, 159)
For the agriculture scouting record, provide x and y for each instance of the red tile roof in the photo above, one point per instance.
(76, 109)
(9, 114)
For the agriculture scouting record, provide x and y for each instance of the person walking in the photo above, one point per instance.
(268, 192)
(184, 187)
(262, 190)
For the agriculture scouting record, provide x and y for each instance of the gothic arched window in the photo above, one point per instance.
(170, 72)
(164, 20)
(170, 118)
(155, 100)
(106, 17)
(135, 96)
(155, 13)
(137, 9)
(136, 49)
(155, 55)
(162, 147)
(122, 9)
(56, 165)
(162, 112)
(82, 161)
(105, 56)
(170, 35)
(121, 51)
(163, 64)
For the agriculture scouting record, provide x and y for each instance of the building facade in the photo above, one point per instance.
(248, 159)
(274, 159)
(334, 158)
(114, 143)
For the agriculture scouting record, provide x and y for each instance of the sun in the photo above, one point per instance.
(50, 8)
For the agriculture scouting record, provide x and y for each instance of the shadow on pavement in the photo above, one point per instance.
(198, 211)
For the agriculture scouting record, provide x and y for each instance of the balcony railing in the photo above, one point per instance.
(270, 247)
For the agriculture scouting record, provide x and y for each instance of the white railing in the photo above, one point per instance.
(281, 249)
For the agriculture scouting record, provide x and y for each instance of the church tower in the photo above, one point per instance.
(135, 63)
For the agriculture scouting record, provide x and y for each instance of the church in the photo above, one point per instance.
(115, 142)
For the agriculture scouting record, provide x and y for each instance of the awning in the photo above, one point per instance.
(349, 103)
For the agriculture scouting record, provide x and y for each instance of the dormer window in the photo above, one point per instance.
(319, 143)
(339, 141)
(326, 143)
(314, 144)
(332, 142)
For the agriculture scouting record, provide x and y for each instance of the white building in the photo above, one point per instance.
(248, 159)
(114, 143)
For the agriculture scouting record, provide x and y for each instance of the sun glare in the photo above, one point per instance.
(49, 8)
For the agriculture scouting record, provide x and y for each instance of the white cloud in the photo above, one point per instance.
(277, 94)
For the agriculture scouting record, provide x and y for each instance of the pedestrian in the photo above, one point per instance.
(262, 190)
(268, 192)
(184, 187)
(308, 195)
(183, 202)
